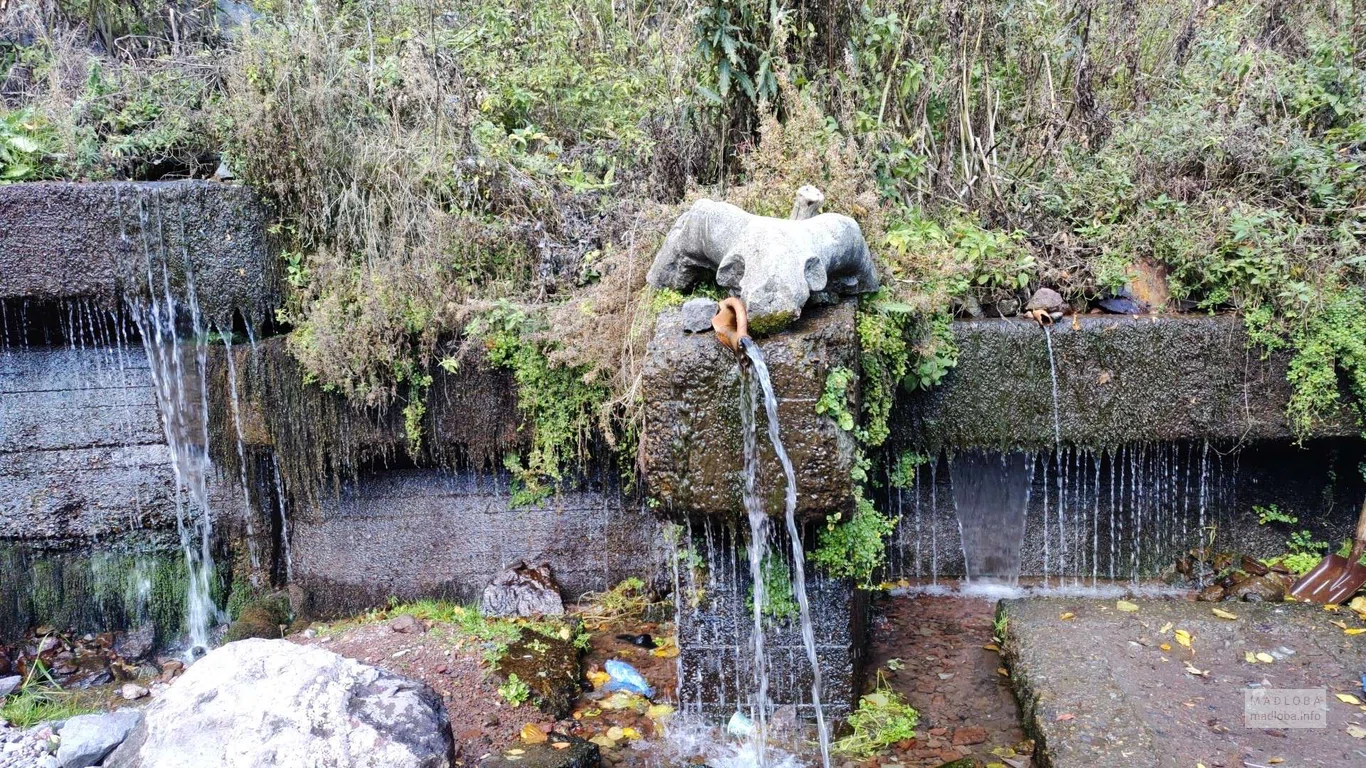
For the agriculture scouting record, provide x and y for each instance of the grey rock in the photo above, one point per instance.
(86, 739)
(136, 644)
(697, 315)
(281, 704)
(133, 691)
(9, 684)
(774, 264)
(408, 624)
(523, 590)
(1046, 299)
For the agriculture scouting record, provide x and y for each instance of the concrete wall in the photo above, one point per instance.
(61, 241)
(1119, 380)
(439, 533)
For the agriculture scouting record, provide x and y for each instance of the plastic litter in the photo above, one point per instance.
(739, 725)
(626, 678)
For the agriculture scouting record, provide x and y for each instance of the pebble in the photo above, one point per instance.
(26, 748)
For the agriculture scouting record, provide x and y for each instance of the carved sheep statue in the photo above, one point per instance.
(775, 265)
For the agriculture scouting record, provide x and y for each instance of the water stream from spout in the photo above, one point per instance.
(760, 369)
(758, 551)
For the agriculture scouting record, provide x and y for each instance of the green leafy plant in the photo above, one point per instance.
(780, 603)
(856, 547)
(514, 690)
(834, 400)
(882, 719)
(21, 146)
(1273, 514)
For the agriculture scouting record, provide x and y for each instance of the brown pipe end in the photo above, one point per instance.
(731, 323)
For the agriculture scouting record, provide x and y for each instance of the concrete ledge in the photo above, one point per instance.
(67, 240)
(1120, 380)
(1098, 689)
(691, 443)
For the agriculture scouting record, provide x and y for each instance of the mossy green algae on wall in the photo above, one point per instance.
(92, 591)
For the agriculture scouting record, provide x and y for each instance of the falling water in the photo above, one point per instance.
(252, 556)
(182, 398)
(1123, 513)
(991, 497)
(758, 550)
(756, 359)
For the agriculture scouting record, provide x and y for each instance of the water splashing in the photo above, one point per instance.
(760, 369)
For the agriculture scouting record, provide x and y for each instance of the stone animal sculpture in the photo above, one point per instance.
(775, 265)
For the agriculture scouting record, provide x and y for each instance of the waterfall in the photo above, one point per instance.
(756, 359)
(182, 396)
(990, 498)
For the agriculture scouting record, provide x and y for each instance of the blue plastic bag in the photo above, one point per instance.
(626, 678)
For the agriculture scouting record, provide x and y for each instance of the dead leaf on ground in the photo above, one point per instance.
(1183, 637)
(1224, 614)
(1165, 628)
(1348, 698)
(1356, 732)
(532, 734)
(1068, 615)
(1354, 632)
(1265, 657)
(1126, 606)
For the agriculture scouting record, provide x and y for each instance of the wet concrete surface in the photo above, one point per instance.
(1100, 686)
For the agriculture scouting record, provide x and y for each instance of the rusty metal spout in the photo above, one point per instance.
(731, 323)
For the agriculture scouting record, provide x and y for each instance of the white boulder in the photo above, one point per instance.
(272, 703)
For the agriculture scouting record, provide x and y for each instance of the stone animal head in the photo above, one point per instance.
(775, 266)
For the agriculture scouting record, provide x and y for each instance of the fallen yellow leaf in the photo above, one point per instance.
(1126, 606)
(1265, 658)
(615, 733)
(1354, 631)
(1224, 614)
(598, 679)
(1358, 604)
(1183, 637)
(1275, 761)
(1068, 615)
(1339, 624)
(1356, 732)
(532, 734)
(630, 732)
(1165, 628)
(1165, 646)
(1348, 698)
(1250, 657)
(1002, 672)
(992, 647)
(659, 712)
(1332, 608)
(669, 651)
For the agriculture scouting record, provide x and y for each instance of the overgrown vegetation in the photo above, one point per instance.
(507, 169)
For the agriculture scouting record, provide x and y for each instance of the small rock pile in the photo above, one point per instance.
(80, 742)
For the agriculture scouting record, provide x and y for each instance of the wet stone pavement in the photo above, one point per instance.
(1163, 683)
(948, 671)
